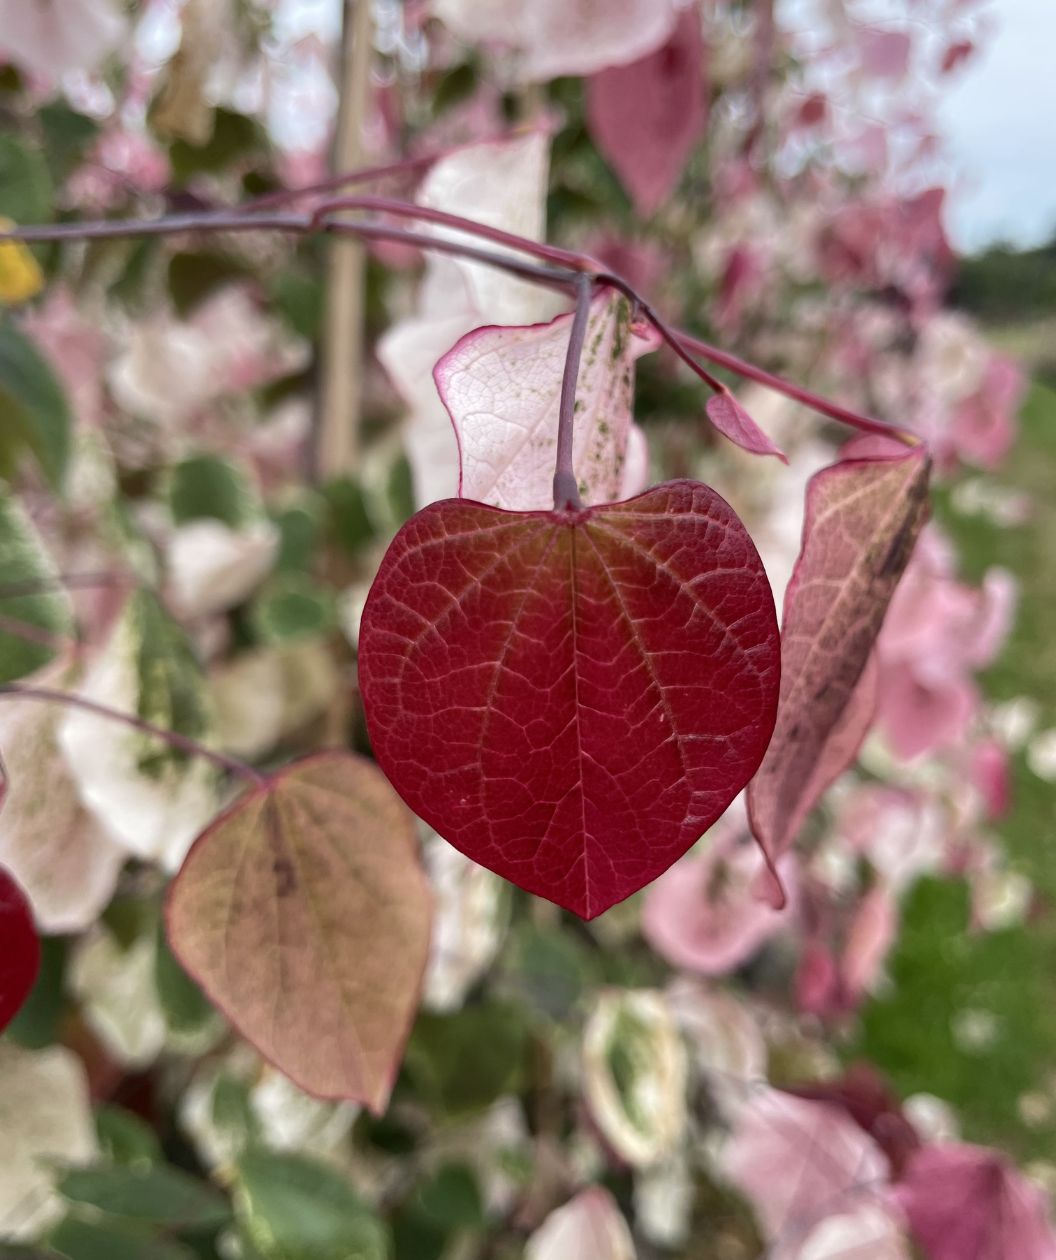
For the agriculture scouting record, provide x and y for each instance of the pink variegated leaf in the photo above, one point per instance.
(798, 1161)
(968, 1203)
(862, 520)
(733, 422)
(556, 37)
(502, 387)
(646, 117)
(884, 54)
(588, 1225)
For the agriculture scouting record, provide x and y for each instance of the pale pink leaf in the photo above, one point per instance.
(408, 352)
(50, 39)
(883, 54)
(799, 1161)
(870, 936)
(968, 1203)
(635, 476)
(590, 1225)
(559, 37)
(58, 852)
(869, 1231)
(502, 184)
(704, 913)
(646, 117)
(918, 715)
(733, 422)
(502, 388)
(862, 520)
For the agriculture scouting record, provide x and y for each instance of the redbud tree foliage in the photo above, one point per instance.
(484, 713)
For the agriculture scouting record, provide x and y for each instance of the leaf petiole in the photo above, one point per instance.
(566, 488)
(182, 742)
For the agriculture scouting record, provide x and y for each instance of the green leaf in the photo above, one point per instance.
(455, 86)
(232, 1110)
(298, 298)
(126, 1139)
(26, 191)
(186, 1008)
(170, 678)
(158, 1194)
(67, 135)
(37, 1023)
(194, 277)
(234, 137)
(349, 523)
(26, 573)
(464, 1062)
(206, 487)
(548, 970)
(290, 607)
(33, 408)
(298, 536)
(400, 490)
(450, 1198)
(294, 1208)
(78, 1239)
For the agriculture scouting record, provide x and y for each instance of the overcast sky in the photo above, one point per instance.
(1000, 120)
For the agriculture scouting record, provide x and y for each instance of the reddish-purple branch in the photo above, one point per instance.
(566, 488)
(564, 276)
(182, 742)
(296, 224)
(867, 424)
(409, 210)
(405, 166)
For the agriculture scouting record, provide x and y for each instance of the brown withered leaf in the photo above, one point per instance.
(862, 519)
(304, 913)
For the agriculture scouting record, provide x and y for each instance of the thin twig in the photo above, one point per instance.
(857, 420)
(65, 582)
(564, 279)
(295, 224)
(39, 636)
(566, 488)
(182, 742)
(427, 214)
(344, 179)
(669, 335)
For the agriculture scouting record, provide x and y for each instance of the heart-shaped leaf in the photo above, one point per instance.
(863, 516)
(19, 948)
(572, 698)
(646, 117)
(304, 913)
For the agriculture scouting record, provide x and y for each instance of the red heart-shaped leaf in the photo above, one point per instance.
(19, 949)
(572, 698)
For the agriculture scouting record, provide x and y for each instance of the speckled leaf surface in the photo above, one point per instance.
(502, 387)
